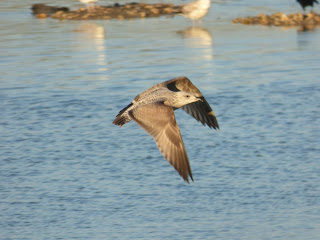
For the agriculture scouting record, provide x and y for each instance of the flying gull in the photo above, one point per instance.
(153, 111)
(196, 10)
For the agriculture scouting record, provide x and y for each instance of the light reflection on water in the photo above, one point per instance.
(66, 172)
(199, 38)
(92, 38)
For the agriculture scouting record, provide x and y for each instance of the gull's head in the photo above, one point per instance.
(184, 98)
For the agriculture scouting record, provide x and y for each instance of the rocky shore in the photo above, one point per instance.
(116, 11)
(304, 22)
(143, 10)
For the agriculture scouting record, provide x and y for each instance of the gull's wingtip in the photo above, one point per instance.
(186, 179)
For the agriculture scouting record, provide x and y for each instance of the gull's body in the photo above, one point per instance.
(153, 110)
(196, 10)
(90, 4)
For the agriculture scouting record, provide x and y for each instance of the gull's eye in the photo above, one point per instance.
(187, 96)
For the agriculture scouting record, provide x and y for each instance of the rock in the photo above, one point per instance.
(309, 21)
(120, 17)
(41, 15)
(142, 14)
(284, 18)
(247, 20)
(155, 11)
(118, 11)
(40, 8)
(168, 10)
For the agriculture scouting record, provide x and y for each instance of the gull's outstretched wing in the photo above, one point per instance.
(159, 121)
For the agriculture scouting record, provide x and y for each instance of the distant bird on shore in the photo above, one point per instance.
(153, 111)
(90, 4)
(305, 3)
(196, 10)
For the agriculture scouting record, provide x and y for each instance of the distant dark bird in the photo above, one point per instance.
(305, 3)
(153, 111)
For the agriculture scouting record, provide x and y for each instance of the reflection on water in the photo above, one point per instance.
(307, 27)
(91, 36)
(198, 37)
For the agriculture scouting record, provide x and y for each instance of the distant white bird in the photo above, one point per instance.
(153, 110)
(90, 4)
(196, 10)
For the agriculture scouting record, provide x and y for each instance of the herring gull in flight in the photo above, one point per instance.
(153, 111)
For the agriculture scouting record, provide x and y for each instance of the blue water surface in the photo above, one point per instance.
(67, 173)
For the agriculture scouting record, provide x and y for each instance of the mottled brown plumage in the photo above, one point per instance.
(153, 111)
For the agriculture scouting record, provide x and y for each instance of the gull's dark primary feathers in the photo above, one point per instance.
(153, 110)
(200, 110)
